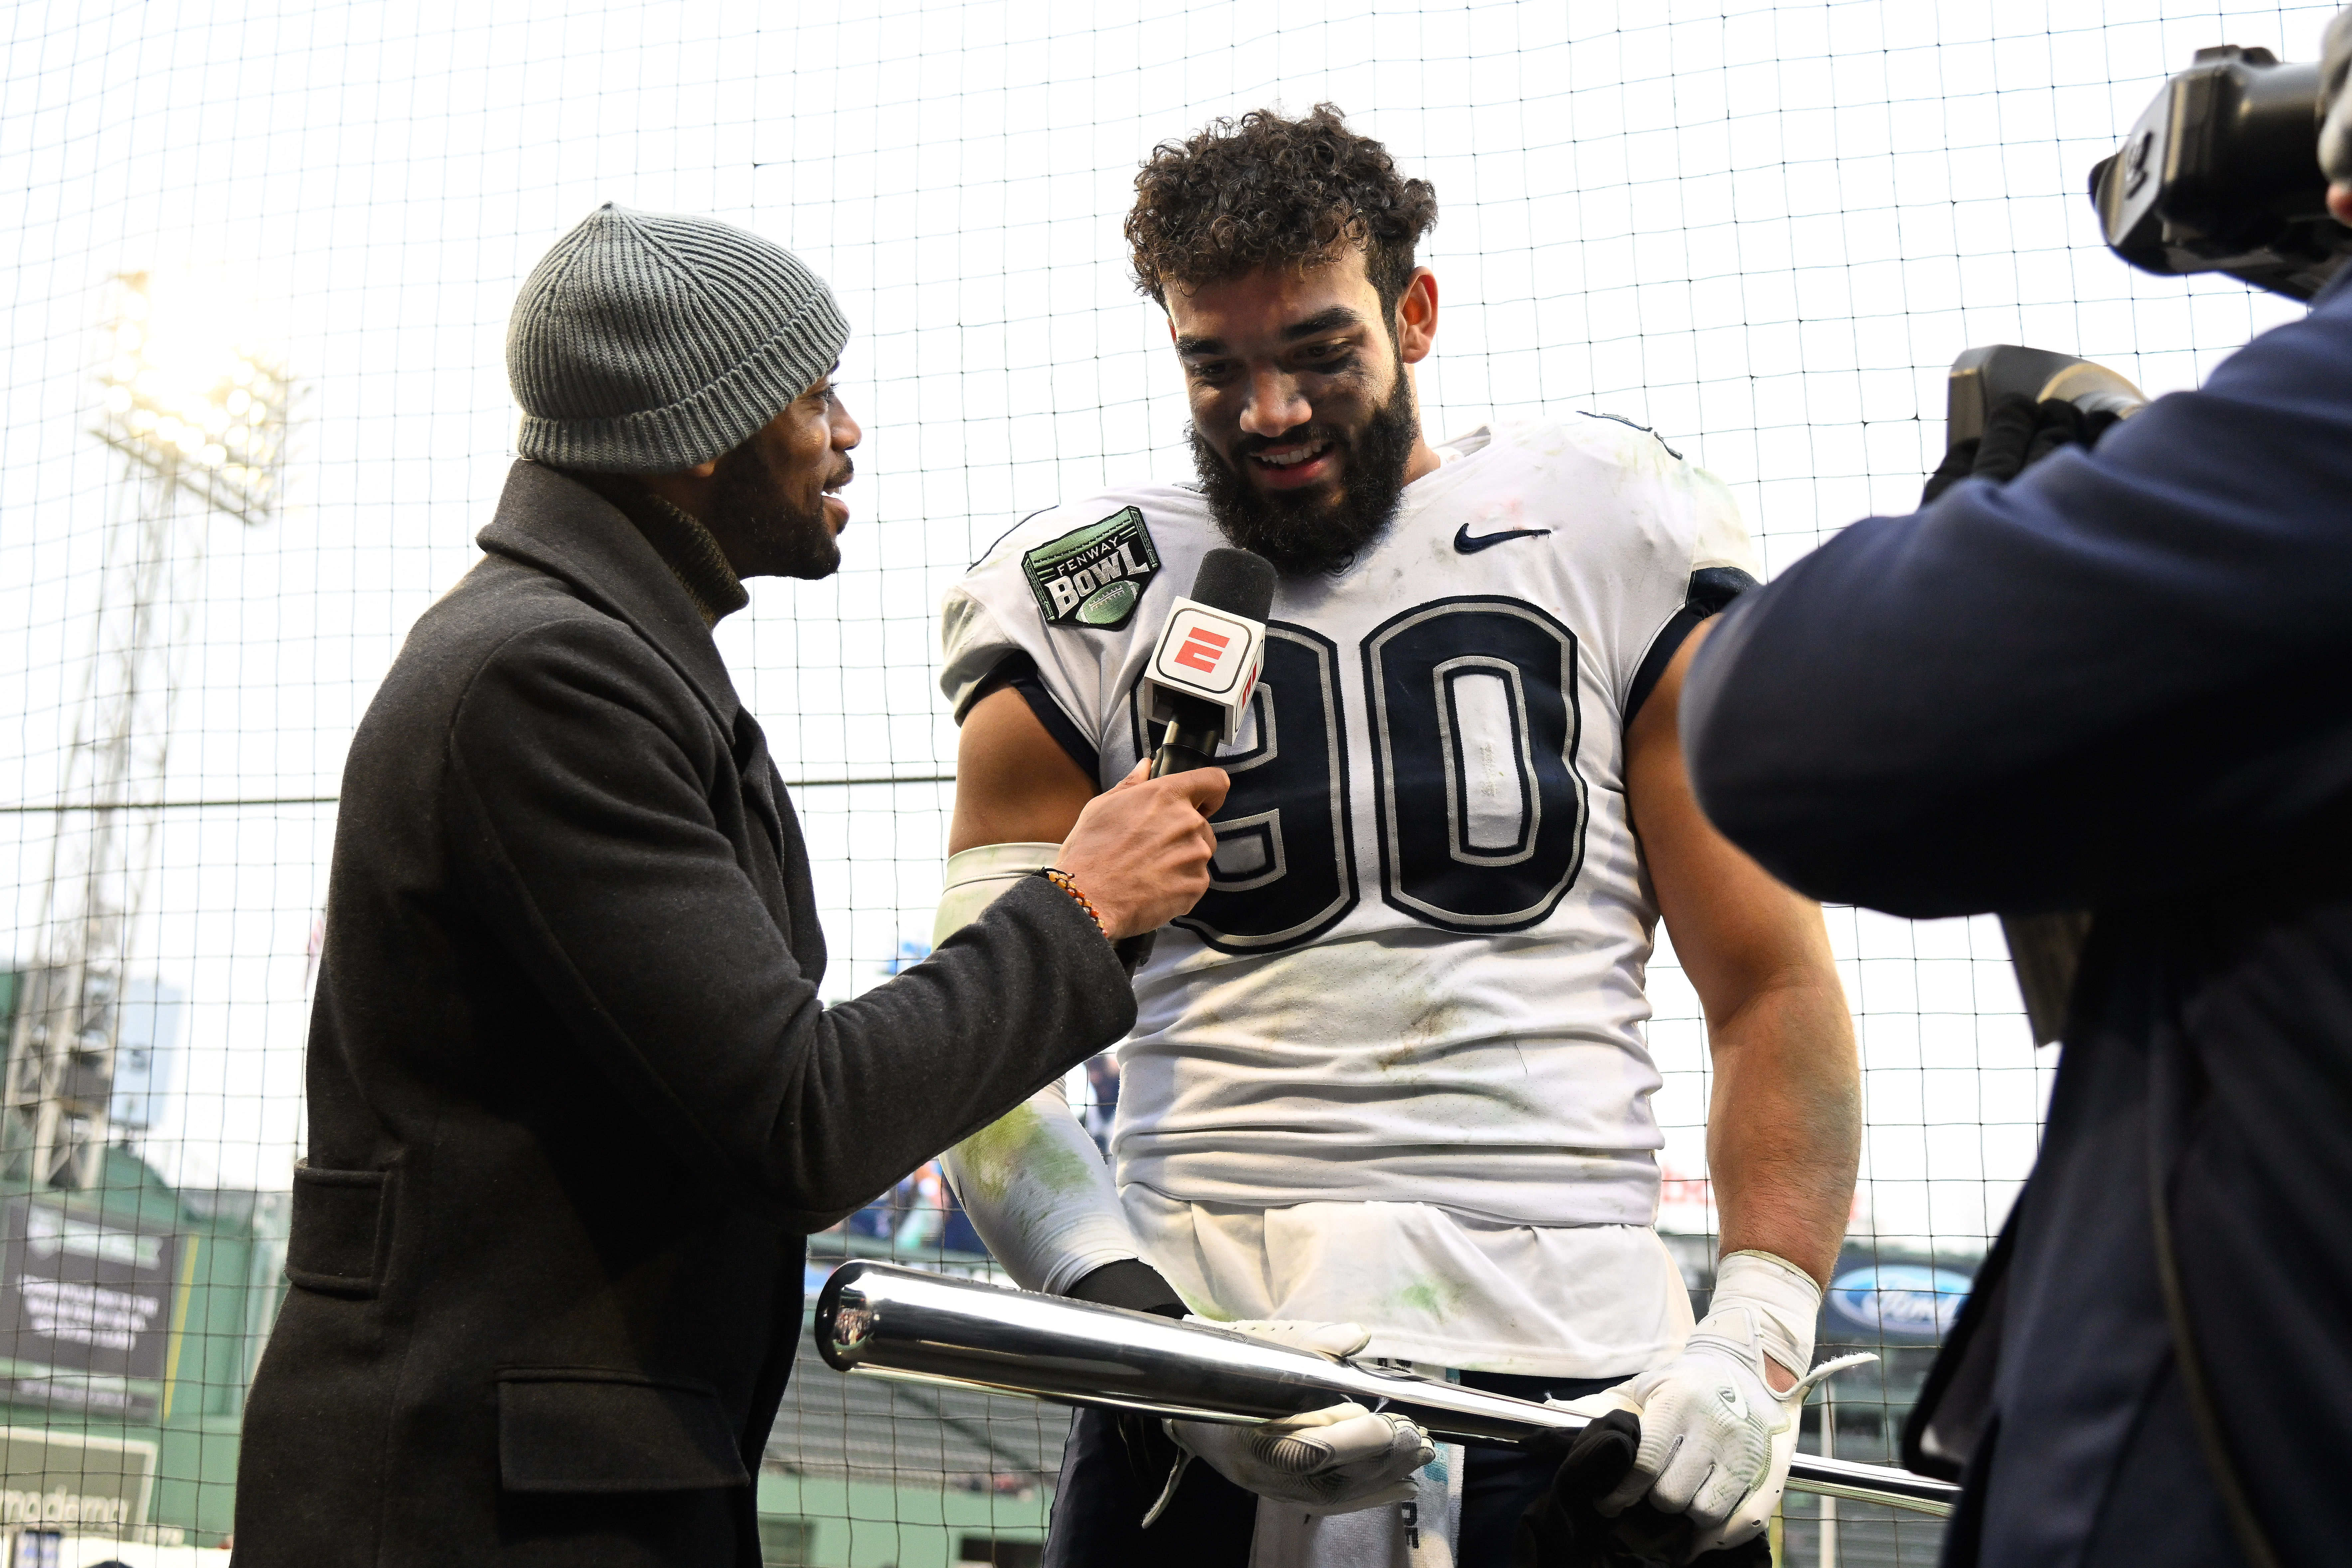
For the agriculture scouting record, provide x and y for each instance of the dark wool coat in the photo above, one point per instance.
(2116, 683)
(574, 1103)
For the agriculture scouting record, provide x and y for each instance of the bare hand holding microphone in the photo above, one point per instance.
(1140, 850)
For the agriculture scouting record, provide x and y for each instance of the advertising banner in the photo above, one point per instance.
(1895, 1304)
(63, 1481)
(85, 1310)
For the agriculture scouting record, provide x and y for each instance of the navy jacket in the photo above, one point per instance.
(573, 1101)
(2122, 682)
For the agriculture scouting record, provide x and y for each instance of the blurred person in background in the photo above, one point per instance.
(574, 1103)
(920, 1204)
(1102, 1081)
(2116, 683)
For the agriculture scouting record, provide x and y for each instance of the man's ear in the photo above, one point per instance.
(1416, 316)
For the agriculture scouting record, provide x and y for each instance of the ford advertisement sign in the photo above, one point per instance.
(1896, 1302)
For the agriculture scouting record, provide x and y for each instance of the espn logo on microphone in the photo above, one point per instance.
(1210, 654)
(1204, 650)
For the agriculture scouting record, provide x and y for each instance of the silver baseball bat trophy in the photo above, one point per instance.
(877, 1320)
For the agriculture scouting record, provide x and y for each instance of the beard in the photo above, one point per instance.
(792, 541)
(1308, 532)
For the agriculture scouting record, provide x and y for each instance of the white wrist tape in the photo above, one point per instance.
(1783, 1297)
(1033, 1182)
(979, 876)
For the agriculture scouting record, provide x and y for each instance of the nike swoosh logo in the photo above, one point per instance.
(1466, 545)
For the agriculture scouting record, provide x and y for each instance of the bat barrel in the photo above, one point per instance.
(877, 1321)
(901, 1323)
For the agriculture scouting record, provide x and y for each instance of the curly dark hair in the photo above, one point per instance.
(1266, 190)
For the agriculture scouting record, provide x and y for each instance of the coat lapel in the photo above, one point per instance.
(563, 528)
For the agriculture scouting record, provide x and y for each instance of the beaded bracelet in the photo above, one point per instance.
(1061, 879)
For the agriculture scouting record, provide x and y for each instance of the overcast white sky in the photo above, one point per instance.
(1765, 229)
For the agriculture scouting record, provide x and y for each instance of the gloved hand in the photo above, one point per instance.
(1334, 1460)
(1715, 1438)
(1564, 1528)
(2019, 432)
(1327, 1462)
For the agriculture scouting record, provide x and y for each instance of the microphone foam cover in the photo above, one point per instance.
(1235, 581)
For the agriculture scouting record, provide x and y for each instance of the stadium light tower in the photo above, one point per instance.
(199, 422)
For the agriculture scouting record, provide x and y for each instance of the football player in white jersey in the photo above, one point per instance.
(1388, 1094)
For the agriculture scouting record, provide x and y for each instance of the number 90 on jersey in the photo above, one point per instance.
(1479, 809)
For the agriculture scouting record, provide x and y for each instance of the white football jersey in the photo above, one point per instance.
(1417, 976)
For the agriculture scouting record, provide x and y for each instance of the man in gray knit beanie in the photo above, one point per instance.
(574, 1103)
(695, 359)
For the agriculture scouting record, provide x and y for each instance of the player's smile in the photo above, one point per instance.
(1291, 464)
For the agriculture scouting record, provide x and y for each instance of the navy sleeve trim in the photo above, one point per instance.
(1019, 671)
(1712, 588)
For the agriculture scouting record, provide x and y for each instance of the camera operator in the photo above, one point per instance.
(2117, 683)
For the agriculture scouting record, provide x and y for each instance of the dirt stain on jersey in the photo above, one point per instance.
(1431, 1017)
(1430, 1297)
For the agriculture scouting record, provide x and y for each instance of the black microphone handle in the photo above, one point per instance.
(1189, 741)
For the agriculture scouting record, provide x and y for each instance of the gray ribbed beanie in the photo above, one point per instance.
(647, 342)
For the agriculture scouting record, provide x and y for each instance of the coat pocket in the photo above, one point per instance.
(342, 1226)
(580, 1430)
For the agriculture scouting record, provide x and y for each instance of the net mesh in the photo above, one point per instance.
(1762, 228)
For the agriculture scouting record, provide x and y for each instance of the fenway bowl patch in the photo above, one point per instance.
(1093, 576)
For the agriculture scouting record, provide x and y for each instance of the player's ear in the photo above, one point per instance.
(1416, 316)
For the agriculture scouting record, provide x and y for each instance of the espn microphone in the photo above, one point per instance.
(1197, 685)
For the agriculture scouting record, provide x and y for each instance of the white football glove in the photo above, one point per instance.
(1334, 1460)
(1715, 1438)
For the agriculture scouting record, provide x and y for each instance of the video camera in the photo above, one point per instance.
(2221, 174)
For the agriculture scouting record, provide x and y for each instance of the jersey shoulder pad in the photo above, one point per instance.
(1629, 423)
(1600, 435)
(1719, 537)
